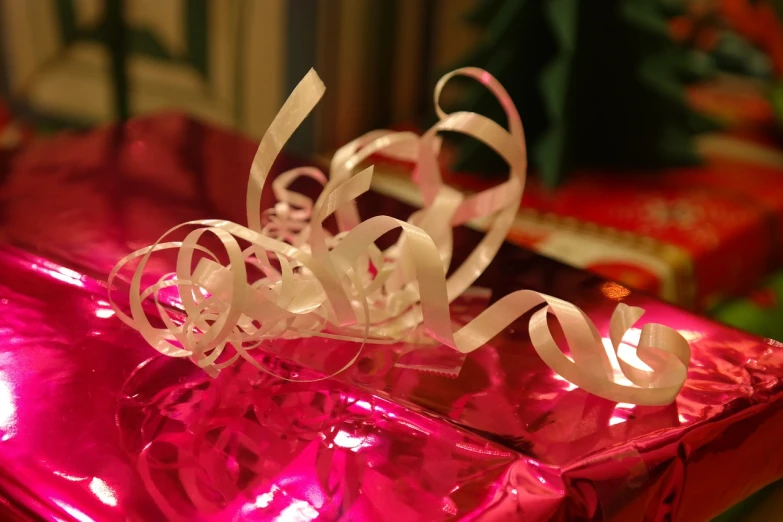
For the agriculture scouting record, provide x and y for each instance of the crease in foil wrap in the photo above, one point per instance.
(284, 276)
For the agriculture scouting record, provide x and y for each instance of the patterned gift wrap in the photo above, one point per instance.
(673, 233)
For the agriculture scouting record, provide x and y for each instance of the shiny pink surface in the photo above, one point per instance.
(92, 432)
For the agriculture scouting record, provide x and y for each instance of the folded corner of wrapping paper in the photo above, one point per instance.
(286, 275)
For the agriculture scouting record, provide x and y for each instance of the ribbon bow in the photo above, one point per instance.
(342, 286)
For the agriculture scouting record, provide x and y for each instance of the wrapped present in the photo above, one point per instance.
(95, 429)
(145, 437)
(671, 234)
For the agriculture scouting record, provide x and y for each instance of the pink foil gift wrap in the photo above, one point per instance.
(95, 427)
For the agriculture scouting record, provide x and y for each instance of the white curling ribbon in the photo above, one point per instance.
(344, 287)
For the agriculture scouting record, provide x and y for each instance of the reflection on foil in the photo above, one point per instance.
(104, 493)
(483, 451)
(351, 442)
(691, 335)
(60, 273)
(277, 450)
(363, 405)
(104, 313)
(7, 407)
(297, 511)
(615, 419)
(449, 507)
(104, 310)
(75, 513)
(66, 476)
(622, 412)
(627, 352)
(413, 427)
(265, 499)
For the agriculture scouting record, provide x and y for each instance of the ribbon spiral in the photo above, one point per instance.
(343, 286)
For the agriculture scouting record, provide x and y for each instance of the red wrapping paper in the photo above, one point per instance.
(689, 220)
(96, 427)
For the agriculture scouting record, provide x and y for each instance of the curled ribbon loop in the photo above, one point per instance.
(342, 286)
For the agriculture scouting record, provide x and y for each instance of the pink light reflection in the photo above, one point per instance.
(413, 426)
(297, 511)
(370, 407)
(627, 353)
(7, 407)
(72, 478)
(103, 491)
(104, 313)
(691, 335)
(60, 273)
(315, 495)
(351, 442)
(75, 513)
(363, 404)
(616, 420)
(622, 412)
(481, 451)
(265, 499)
(449, 507)
(262, 501)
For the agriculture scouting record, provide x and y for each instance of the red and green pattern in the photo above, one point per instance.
(759, 312)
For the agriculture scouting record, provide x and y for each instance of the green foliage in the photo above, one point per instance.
(596, 83)
(776, 100)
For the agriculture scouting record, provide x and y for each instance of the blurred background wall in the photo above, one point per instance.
(231, 62)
